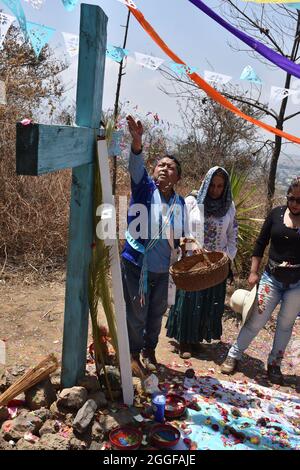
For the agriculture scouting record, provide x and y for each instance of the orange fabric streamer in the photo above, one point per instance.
(210, 91)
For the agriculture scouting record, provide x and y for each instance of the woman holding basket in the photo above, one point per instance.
(197, 316)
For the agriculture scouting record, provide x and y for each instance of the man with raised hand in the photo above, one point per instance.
(155, 225)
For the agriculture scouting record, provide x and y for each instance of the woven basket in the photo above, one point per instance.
(200, 271)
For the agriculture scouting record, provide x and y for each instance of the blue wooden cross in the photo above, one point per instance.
(44, 149)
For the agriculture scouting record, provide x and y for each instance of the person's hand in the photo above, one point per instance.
(253, 279)
(136, 131)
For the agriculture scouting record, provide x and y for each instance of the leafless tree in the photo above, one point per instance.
(279, 28)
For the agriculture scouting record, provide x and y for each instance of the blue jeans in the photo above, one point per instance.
(144, 323)
(270, 293)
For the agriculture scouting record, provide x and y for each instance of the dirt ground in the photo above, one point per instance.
(31, 323)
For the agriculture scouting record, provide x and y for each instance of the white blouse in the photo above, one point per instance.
(213, 233)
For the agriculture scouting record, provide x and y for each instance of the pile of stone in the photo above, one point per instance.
(47, 417)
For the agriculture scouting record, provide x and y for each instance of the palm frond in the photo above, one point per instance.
(99, 289)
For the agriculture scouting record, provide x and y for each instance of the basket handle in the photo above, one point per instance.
(201, 249)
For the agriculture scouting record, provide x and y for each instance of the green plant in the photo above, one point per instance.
(248, 228)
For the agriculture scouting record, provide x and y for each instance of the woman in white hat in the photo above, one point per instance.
(280, 282)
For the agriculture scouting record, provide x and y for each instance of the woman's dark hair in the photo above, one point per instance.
(221, 173)
(178, 165)
(295, 183)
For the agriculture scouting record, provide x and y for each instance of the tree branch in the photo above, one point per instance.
(291, 116)
(261, 30)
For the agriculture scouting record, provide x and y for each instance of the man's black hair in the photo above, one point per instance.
(178, 165)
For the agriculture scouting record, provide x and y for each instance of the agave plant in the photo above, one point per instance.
(248, 229)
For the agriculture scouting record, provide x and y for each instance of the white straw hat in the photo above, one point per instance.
(243, 301)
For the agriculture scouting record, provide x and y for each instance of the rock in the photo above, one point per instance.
(109, 422)
(62, 414)
(43, 414)
(73, 398)
(97, 431)
(22, 444)
(100, 399)
(69, 419)
(57, 413)
(90, 383)
(114, 378)
(41, 395)
(85, 416)
(6, 380)
(49, 427)
(16, 428)
(4, 414)
(53, 442)
(95, 446)
(4, 445)
(18, 370)
(55, 380)
(81, 443)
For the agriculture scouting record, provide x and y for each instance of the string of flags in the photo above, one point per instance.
(202, 84)
(277, 94)
(40, 35)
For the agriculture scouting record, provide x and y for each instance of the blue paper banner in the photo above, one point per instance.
(39, 36)
(116, 53)
(17, 9)
(250, 75)
(70, 4)
(114, 147)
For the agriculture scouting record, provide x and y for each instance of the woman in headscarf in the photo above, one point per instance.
(197, 316)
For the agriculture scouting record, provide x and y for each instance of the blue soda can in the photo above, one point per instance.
(158, 405)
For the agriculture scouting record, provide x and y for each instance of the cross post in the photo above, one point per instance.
(43, 149)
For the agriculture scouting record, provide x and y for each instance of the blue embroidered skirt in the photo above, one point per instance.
(197, 316)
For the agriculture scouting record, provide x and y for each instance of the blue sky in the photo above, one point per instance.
(193, 36)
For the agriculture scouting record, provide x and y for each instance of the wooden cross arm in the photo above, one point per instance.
(43, 149)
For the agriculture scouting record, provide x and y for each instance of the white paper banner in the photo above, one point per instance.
(278, 94)
(72, 43)
(5, 23)
(37, 4)
(2, 93)
(216, 78)
(148, 61)
(128, 3)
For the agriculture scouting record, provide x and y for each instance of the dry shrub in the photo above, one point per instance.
(34, 216)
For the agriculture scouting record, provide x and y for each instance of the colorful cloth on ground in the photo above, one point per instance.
(210, 91)
(242, 416)
(197, 316)
(283, 62)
